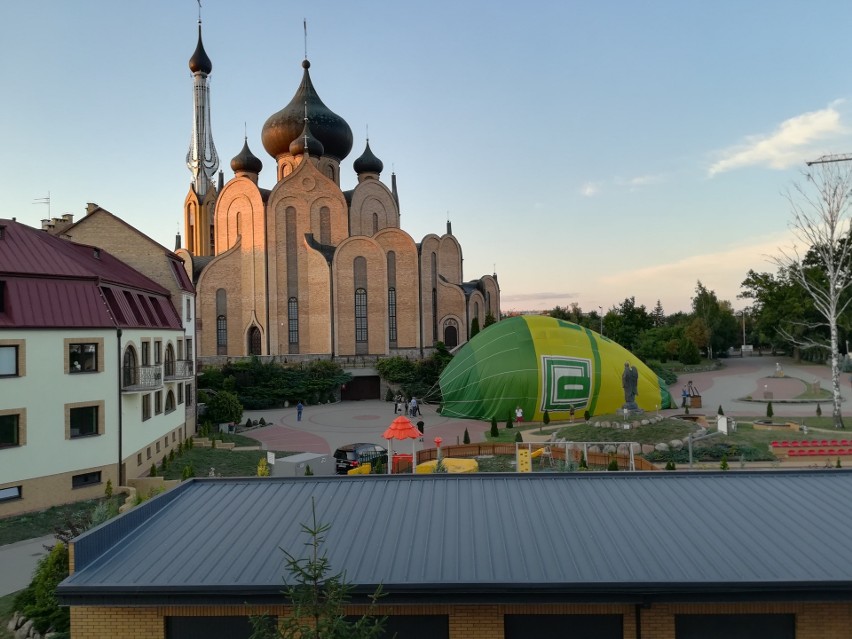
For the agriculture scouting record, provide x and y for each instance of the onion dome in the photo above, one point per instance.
(368, 163)
(306, 142)
(285, 126)
(199, 62)
(245, 161)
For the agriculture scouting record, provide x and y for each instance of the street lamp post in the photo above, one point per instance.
(742, 348)
(600, 308)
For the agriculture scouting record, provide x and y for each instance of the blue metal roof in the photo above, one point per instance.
(603, 535)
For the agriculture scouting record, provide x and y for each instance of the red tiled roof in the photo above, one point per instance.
(50, 282)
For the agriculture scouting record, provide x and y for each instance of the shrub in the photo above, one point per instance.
(837, 465)
(187, 472)
(466, 438)
(37, 601)
(769, 411)
(308, 471)
(262, 467)
(180, 448)
(224, 407)
(720, 411)
(212, 441)
(108, 489)
(171, 455)
(587, 415)
(389, 395)
(819, 410)
(248, 423)
(723, 465)
(262, 422)
(546, 417)
(613, 464)
(670, 465)
(153, 472)
(583, 463)
(494, 432)
(519, 437)
(509, 423)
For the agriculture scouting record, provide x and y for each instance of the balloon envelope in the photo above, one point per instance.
(541, 363)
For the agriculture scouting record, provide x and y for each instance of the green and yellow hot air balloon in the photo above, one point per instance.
(541, 363)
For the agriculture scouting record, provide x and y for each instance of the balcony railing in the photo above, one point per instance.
(141, 378)
(179, 369)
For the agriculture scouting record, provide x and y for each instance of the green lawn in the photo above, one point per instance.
(227, 463)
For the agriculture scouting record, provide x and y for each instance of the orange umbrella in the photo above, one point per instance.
(401, 428)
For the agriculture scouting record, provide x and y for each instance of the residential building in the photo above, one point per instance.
(618, 555)
(92, 387)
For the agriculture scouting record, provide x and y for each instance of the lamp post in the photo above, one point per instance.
(742, 350)
(600, 308)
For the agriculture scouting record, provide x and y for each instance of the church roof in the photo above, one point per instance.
(368, 162)
(200, 62)
(285, 126)
(246, 161)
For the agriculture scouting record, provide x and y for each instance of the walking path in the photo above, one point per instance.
(18, 561)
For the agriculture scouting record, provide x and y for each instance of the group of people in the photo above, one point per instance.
(401, 406)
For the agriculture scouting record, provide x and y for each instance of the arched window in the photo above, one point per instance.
(254, 346)
(293, 320)
(434, 315)
(360, 315)
(325, 225)
(170, 401)
(392, 314)
(221, 331)
(129, 368)
(451, 333)
(488, 302)
(169, 362)
(476, 314)
(375, 223)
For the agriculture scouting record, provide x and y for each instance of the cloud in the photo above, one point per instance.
(590, 189)
(790, 144)
(645, 180)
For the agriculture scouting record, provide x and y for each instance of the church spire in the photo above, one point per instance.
(201, 159)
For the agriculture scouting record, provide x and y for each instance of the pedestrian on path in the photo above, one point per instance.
(299, 408)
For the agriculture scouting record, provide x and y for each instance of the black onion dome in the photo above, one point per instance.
(307, 142)
(285, 126)
(368, 163)
(246, 161)
(199, 60)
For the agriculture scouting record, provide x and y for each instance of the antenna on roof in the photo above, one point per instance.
(305, 25)
(44, 200)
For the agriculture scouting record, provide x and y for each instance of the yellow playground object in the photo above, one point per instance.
(451, 464)
(363, 469)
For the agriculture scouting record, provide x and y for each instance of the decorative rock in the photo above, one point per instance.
(13, 623)
(24, 631)
(647, 448)
(664, 448)
(609, 449)
(645, 422)
(35, 634)
(636, 424)
(676, 444)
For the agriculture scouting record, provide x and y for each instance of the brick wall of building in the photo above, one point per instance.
(480, 621)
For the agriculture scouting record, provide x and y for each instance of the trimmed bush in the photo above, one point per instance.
(546, 417)
(519, 437)
(108, 488)
(769, 411)
(153, 472)
(723, 465)
(720, 411)
(670, 465)
(819, 410)
(587, 415)
(494, 432)
(466, 438)
(509, 422)
(613, 464)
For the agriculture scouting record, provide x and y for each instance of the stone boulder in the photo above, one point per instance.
(661, 447)
(24, 631)
(676, 444)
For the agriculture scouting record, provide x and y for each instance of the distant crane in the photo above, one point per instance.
(825, 159)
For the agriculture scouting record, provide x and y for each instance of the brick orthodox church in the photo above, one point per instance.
(306, 267)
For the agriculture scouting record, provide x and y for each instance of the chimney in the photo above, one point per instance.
(91, 207)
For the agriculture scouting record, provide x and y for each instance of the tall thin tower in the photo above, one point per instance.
(201, 159)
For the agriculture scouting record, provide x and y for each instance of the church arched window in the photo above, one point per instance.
(221, 322)
(325, 225)
(221, 331)
(293, 320)
(170, 401)
(434, 315)
(392, 314)
(375, 223)
(360, 315)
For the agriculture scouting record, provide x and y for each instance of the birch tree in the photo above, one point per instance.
(821, 207)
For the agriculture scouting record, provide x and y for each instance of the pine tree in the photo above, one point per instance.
(466, 438)
(723, 465)
(509, 423)
(546, 417)
(494, 432)
(720, 411)
(519, 437)
(769, 412)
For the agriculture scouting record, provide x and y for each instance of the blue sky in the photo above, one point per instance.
(587, 151)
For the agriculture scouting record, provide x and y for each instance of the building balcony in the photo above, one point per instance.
(141, 379)
(179, 369)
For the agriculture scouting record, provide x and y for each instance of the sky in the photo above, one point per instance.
(585, 152)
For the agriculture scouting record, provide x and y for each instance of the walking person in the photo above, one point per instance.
(412, 407)
(299, 408)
